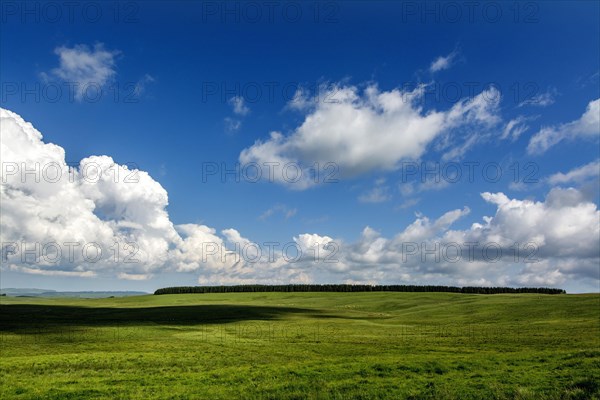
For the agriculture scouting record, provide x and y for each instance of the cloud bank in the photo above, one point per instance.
(106, 219)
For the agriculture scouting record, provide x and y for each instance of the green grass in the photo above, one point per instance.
(302, 345)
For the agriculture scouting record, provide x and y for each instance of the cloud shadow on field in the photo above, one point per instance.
(24, 317)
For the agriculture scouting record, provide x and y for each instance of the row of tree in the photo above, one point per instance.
(352, 288)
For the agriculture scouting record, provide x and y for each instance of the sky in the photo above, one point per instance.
(152, 144)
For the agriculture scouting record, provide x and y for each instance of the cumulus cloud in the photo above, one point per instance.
(98, 218)
(106, 219)
(121, 212)
(362, 131)
(587, 126)
(525, 243)
(85, 67)
(96, 213)
(564, 225)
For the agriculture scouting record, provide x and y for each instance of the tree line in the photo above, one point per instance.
(352, 288)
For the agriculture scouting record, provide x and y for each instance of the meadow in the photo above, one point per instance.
(302, 345)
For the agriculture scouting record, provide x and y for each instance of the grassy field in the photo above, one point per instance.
(302, 345)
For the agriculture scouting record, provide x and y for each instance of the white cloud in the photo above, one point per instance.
(377, 194)
(590, 80)
(308, 241)
(140, 86)
(301, 100)
(120, 211)
(557, 242)
(577, 175)
(540, 274)
(458, 152)
(407, 204)
(279, 209)
(49, 272)
(514, 128)
(116, 212)
(95, 205)
(519, 186)
(541, 100)
(87, 68)
(232, 125)
(88, 205)
(134, 277)
(372, 130)
(587, 126)
(428, 184)
(443, 62)
(291, 213)
(240, 109)
(564, 225)
(239, 105)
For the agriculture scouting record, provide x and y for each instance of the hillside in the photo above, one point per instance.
(302, 345)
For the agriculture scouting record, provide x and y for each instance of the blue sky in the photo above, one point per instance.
(176, 86)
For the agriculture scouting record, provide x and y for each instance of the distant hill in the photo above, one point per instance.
(32, 292)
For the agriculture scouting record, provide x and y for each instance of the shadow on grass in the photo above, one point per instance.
(23, 317)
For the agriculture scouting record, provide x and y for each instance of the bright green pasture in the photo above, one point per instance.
(302, 345)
